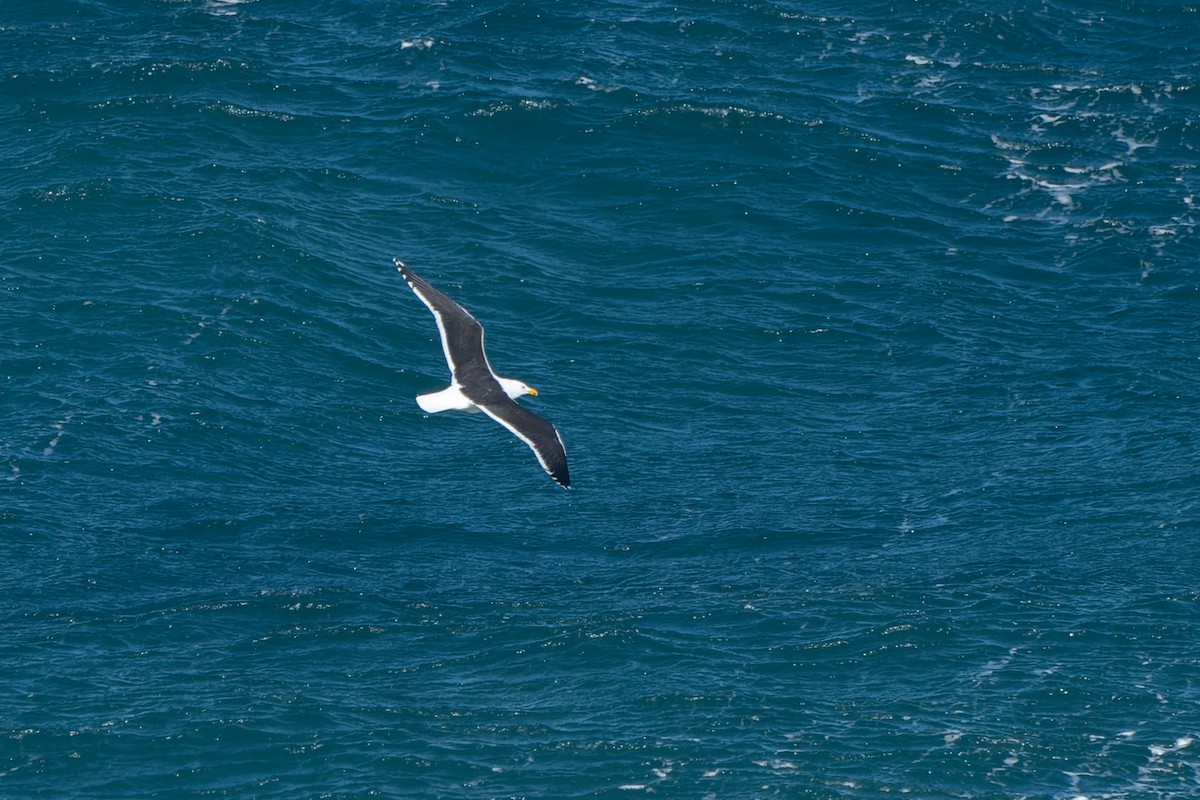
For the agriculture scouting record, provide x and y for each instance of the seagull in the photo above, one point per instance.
(475, 387)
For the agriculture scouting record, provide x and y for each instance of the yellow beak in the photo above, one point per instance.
(533, 391)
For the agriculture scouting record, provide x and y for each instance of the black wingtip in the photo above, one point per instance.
(559, 471)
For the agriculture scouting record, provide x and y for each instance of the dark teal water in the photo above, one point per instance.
(873, 332)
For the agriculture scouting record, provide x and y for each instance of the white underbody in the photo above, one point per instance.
(452, 399)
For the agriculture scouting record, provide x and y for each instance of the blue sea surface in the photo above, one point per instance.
(872, 331)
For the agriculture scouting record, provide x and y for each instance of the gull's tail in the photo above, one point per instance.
(448, 399)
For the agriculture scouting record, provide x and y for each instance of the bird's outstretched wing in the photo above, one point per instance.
(462, 335)
(541, 436)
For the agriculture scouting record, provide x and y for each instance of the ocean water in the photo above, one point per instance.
(872, 330)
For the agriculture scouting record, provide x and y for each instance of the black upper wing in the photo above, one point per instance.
(541, 436)
(462, 335)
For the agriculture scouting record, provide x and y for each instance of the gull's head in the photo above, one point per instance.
(515, 389)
